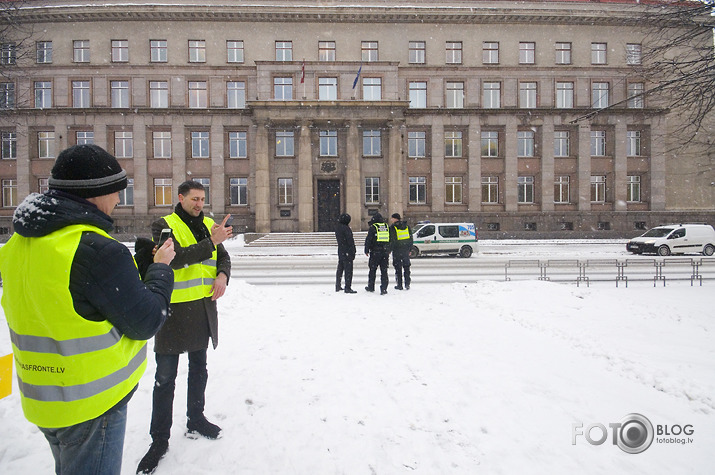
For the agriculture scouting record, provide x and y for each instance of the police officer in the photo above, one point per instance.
(377, 247)
(401, 236)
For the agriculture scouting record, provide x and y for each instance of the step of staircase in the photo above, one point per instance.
(303, 240)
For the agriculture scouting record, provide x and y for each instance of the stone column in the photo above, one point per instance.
(22, 172)
(474, 167)
(620, 168)
(547, 164)
(178, 154)
(262, 194)
(353, 177)
(511, 166)
(584, 167)
(305, 180)
(657, 164)
(218, 177)
(141, 187)
(395, 169)
(437, 178)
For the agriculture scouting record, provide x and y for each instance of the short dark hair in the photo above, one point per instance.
(188, 185)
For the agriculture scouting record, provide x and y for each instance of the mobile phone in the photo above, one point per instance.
(229, 221)
(165, 234)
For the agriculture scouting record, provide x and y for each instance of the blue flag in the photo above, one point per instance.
(357, 77)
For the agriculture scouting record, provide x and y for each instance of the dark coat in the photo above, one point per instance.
(191, 323)
(371, 243)
(346, 242)
(405, 244)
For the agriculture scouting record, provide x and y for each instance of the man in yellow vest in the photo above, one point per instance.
(78, 312)
(401, 236)
(202, 268)
(377, 248)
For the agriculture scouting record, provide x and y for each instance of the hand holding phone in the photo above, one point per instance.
(165, 234)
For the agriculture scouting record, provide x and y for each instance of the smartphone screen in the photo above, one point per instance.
(165, 234)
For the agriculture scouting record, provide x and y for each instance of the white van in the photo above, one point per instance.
(444, 238)
(675, 239)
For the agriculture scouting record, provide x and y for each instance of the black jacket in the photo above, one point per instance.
(403, 245)
(104, 281)
(346, 242)
(371, 243)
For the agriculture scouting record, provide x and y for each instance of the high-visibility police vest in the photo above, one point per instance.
(196, 281)
(69, 369)
(383, 232)
(402, 234)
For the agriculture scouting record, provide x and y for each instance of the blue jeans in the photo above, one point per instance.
(92, 447)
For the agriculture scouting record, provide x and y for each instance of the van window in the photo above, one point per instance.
(678, 234)
(426, 231)
(658, 232)
(449, 231)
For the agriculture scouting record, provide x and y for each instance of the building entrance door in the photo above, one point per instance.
(328, 204)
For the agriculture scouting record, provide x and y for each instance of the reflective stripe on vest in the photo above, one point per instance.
(69, 369)
(196, 281)
(383, 232)
(402, 234)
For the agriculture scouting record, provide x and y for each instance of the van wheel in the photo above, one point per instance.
(466, 251)
(414, 252)
(708, 250)
(663, 250)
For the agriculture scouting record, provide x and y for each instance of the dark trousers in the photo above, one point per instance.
(165, 383)
(401, 263)
(381, 260)
(344, 265)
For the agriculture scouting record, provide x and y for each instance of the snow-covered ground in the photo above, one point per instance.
(461, 378)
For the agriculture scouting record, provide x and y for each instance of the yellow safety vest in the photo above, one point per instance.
(69, 369)
(193, 282)
(402, 234)
(383, 232)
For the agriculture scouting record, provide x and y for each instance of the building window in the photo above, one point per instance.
(238, 191)
(417, 52)
(372, 190)
(198, 95)
(599, 95)
(453, 144)
(326, 50)
(234, 51)
(633, 192)
(490, 144)
(562, 192)
(562, 144)
(563, 53)
(369, 51)
(372, 89)
(199, 145)
(8, 55)
(526, 189)
(44, 52)
(81, 51)
(237, 145)
(283, 88)
(527, 95)
(490, 52)
(525, 143)
(527, 52)
(43, 185)
(418, 190)
(206, 182)
(635, 95)
(119, 94)
(491, 95)
(9, 193)
(162, 191)
(123, 144)
(46, 144)
(453, 52)
(7, 95)
(328, 89)
(43, 94)
(454, 95)
(285, 191)
(236, 95)
(371, 143)
(285, 143)
(158, 51)
(161, 144)
(9, 145)
(328, 143)
(120, 51)
(453, 191)
(598, 189)
(159, 94)
(490, 189)
(633, 143)
(418, 95)
(598, 143)
(126, 196)
(80, 94)
(416, 144)
(84, 137)
(197, 51)
(633, 54)
(284, 51)
(598, 53)
(564, 95)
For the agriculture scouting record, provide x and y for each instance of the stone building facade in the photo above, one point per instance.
(293, 112)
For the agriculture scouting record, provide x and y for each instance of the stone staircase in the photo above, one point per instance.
(303, 240)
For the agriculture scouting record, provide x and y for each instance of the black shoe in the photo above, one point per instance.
(407, 286)
(202, 427)
(369, 289)
(350, 291)
(157, 450)
(399, 287)
(383, 292)
(338, 289)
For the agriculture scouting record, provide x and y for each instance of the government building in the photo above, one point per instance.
(526, 118)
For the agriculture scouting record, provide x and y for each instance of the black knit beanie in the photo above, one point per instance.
(87, 171)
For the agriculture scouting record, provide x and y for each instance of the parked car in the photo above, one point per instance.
(444, 238)
(675, 239)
